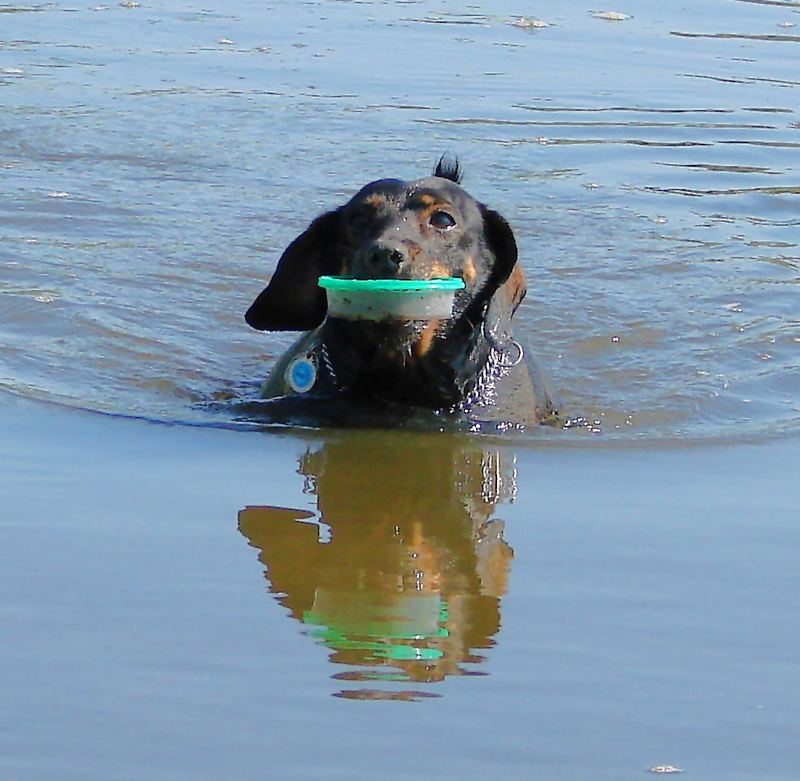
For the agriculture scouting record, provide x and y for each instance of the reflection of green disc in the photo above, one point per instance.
(377, 624)
(393, 651)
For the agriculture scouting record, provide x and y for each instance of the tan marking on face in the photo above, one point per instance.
(375, 200)
(425, 341)
(469, 273)
(438, 271)
(425, 204)
(425, 214)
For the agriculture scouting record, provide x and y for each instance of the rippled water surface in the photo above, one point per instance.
(157, 158)
(193, 602)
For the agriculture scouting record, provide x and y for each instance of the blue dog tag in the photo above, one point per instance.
(301, 374)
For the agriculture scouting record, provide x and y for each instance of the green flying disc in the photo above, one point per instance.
(351, 285)
(390, 299)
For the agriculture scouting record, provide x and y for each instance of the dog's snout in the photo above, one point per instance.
(384, 258)
(380, 255)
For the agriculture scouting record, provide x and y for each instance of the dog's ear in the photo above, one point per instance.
(501, 241)
(513, 290)
(506, 283)
(292, 301)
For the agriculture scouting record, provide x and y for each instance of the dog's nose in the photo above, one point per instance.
(383, 259)
(396, 256)
(386, 256)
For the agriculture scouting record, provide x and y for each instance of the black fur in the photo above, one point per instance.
(449, 168)
(407, 230)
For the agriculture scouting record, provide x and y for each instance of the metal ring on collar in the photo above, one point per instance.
(502, 350)
(519, 356)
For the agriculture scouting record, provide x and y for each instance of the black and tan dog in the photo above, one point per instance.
(468, 367)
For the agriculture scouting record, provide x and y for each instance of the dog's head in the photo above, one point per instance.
(423, 229)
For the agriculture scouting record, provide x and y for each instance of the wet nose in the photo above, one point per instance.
(386, 257)
(383, 259)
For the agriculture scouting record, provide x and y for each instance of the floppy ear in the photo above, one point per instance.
(513, 290)
(292, 301)
(500, 239)
(506, 285)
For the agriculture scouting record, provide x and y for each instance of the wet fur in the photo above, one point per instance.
(392, 228)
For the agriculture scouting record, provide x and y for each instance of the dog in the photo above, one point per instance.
(467, 367)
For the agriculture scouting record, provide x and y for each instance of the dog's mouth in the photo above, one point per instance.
(395, 325)
(394, 313)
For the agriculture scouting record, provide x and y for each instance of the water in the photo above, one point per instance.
(198, 602)
(195, 603)
(157, 159)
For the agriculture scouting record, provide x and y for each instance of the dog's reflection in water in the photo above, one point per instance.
(401, 571)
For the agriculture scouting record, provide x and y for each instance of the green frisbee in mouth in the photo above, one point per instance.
(390, 299)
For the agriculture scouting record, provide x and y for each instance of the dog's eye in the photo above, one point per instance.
(442, 221)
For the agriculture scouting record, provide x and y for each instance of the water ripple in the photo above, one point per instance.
(156, 163)
(740, 36)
